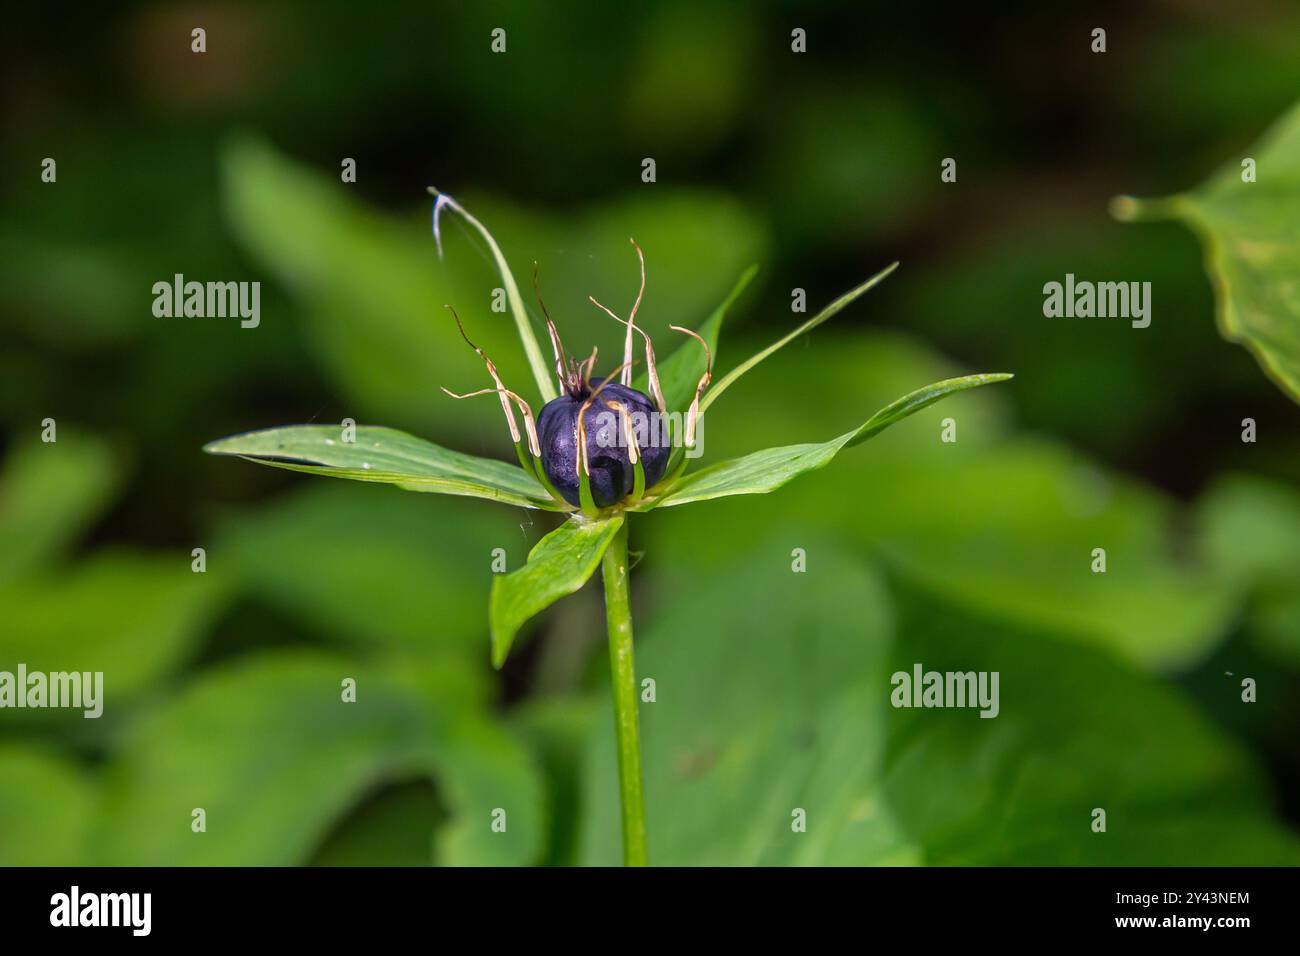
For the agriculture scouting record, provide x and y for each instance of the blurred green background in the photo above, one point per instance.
(1120, 691)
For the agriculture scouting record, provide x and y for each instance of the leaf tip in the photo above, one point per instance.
(440, 201)
(1132, 209)
(501, 637)
(1124, 208)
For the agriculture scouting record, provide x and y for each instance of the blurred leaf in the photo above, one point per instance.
(679, 374)
(1074, 732)
(1008, 531)
(767, 470)
(270, 751)
(49, 492)
(375, 288)
(45, 808)
(560, 564)
(1250, 528)
(556, 729)
(134, 617)
(1017, 540)
(740, 736)
(1251, 247)
(843, 161)
(828, 312)
(1008, 526)
(347, 262)
(44, 278)
(948, 300)
(374, 570)
(1275, 624)
(388, 456)
(393, 827)
(1189, 85)
(684, 89)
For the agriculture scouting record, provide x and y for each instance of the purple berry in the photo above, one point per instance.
(612, 473)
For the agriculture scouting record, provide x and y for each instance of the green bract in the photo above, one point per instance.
(563, 561)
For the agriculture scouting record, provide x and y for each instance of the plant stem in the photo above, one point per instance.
(618, 615)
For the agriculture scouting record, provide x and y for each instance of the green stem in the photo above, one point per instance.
(618, 614)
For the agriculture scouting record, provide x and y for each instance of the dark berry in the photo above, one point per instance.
(612, 473)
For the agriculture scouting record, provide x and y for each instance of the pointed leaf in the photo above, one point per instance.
(1252, 249)
(829, 312)
(769, 469)
(560, 564)
(389, 456)
(681, 371)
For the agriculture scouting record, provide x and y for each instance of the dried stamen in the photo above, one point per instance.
(692, 416)
(656, 392)
(565, 370)
(631, 319)
(501, 389)
(587, 367)
(629, 433)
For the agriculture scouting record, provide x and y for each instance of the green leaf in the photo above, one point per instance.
(274, 755)
(49, 492)
(829, 312)
(1250, 532)
(394, 827)
(560, 564)
(555, 728)
(744, 734)
(1075, 731)
(1250, 529)
(542, 370)
(1008, 532)
(46, 804)
(767, 470)
(1252, 250)
(137, 618)
(680, 373)
(402, 582)
(388, 456)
